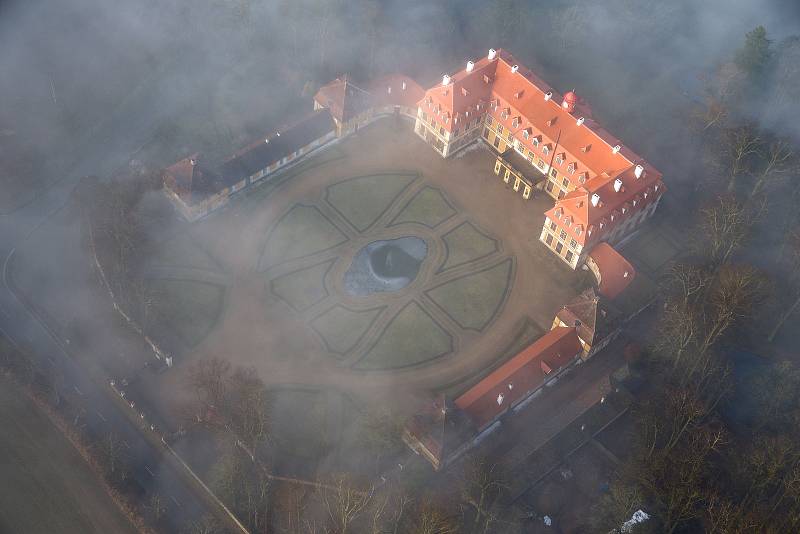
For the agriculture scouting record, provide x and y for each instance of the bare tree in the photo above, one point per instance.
(209, 380)
(344, 503)
(724, 228)
(779, 159)
(248, 407)
(741, 145)
(432, 519)
(481, 485)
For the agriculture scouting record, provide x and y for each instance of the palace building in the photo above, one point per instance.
(602, 189)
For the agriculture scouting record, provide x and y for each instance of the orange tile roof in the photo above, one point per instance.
(396, 90)
(519, 375)
(578, 147)
(616, 273)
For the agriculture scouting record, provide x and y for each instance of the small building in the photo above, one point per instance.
(196, 189)
(612, 271)
(595, 320)
(440, 433)
(521, 376)
(353, 107)
(516, 171)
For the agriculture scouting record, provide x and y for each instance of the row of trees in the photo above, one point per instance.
(697, 466)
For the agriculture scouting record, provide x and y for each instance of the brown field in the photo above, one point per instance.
(47, 487)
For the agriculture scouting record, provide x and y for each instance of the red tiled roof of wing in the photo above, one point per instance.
(524, 372)
(616, 273)
(614, 207)
(398, 96)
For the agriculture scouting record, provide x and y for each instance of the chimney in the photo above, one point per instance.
(500, 398)
(638, 171)
(514, 69)
(580, 121)
(616, 149)
(389, 89)
(470, 66)
(446, 79)
(404, 86)
(492, 54)
(548, 95)
(617, 185)
(595, 199)
(193, 161)
(625, 275)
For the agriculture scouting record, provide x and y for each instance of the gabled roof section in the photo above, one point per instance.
(440, 428)
(342, 98)
(615, 272)
(276, 146)
(593, 318)
(526, 371)
(192, 180)
(395, 90)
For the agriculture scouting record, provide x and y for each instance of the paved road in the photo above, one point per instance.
(110, 147)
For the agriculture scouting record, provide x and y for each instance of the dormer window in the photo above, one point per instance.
(578, 230)
(560, 158)
(486, 78)
(624, 210)
(504, 114)
(546, 150)
(518, 94)
(493, 105)
(645, 194)
(571, 168)
(551, 121)
(536, 140)
(586, 148)
(464, 91)
(515, 122)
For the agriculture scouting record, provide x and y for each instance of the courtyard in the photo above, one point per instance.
(263, 282)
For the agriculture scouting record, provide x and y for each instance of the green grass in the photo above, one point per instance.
(474, 299)
(188, 308)
(412, 337)
(364, 199)
(302, 231)
(342, 328)
(465, 244)
(47, 487)
(429, 207)
(183, 251)
(303, 288)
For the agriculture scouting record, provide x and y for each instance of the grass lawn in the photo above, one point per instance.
(47, 487)
(362, 200)
(188, 308)
(303, 288)
(464, 244)
(474, 299)
(302, 231)
(429, 207)
(341, 328)
(183, 251)
(411, 338)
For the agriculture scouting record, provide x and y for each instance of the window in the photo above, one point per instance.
(561, 194)
(500, 128)
(545, 151)
(497, 142)
(565, 182)
(424, 116)
(549, 240)
(525, 134)
(488, 119)
(455, 132)
(563, 234)
(535, 141)
(486, 133)
(549, 188)
(569, 256)
(553, 173)
(515, 122)
(572, 243)
(509, 136)
(571, 168)
(559, 247)
(530, 155)
(540, 163)
(441, 130)
(553, 226)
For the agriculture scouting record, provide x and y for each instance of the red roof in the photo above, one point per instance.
(396, 90)
(616, 273)
(515, 379)
(578, 147)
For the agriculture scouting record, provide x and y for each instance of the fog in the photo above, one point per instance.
(88, 86)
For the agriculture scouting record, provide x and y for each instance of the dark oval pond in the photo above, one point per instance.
(387, 265)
